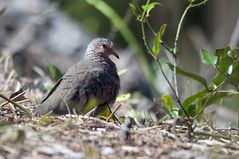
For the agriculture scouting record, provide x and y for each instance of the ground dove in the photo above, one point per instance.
(93, 78)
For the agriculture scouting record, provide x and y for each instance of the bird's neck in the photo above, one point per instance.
(100, 61)
(90, 55)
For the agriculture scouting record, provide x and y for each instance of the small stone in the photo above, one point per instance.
(107, 150)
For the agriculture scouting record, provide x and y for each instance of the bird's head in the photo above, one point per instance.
(100, 47)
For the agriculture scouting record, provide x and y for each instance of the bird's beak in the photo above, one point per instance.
(112, 52)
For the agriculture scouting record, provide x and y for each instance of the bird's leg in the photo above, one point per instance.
(90, 112)
(97, 110)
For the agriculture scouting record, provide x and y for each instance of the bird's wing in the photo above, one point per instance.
(52, 90)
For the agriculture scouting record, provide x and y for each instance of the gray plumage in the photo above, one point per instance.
(95, 77)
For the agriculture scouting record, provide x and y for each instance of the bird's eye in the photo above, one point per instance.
(104, 46)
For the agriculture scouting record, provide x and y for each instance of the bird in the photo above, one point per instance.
(94, 78)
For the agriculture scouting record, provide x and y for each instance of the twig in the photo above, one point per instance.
(23, 101)
(25, 110)
(200, 133)
(13, 111)
(213, 135)
(20, 94)
(113, 112)
(188, 124)
(102, 122)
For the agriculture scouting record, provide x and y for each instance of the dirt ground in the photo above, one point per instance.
(84, 137)
(76, 137)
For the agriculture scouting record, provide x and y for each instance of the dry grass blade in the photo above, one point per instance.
(25, 110)
(66, 104)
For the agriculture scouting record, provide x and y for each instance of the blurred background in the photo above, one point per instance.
(39, 32)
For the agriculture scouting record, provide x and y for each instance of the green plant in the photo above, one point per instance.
(225, 61)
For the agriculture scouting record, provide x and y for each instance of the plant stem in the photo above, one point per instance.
(209, 96)
(142, 18)
(199, 4)
(176, 47)
(161, 69)
(144, 39)
(176, 41)
(161, 42)
(151, 53)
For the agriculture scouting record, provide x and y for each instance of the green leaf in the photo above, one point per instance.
(194, 103)
(220, 78)
(190, 75)
(122, 71)
(223, 64)
(135, 115)
(234, 79)
(187, 102)
(233, 54)
(168, 101)
(230, 69)
(220, 53)
(207, 58)
(134, 10)
(156, 47)
(191, 110)
(227, 66)
(123, 97)
(220, 95)
(198, 109)
(54, 72)
(148, 7)
(169, 107)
